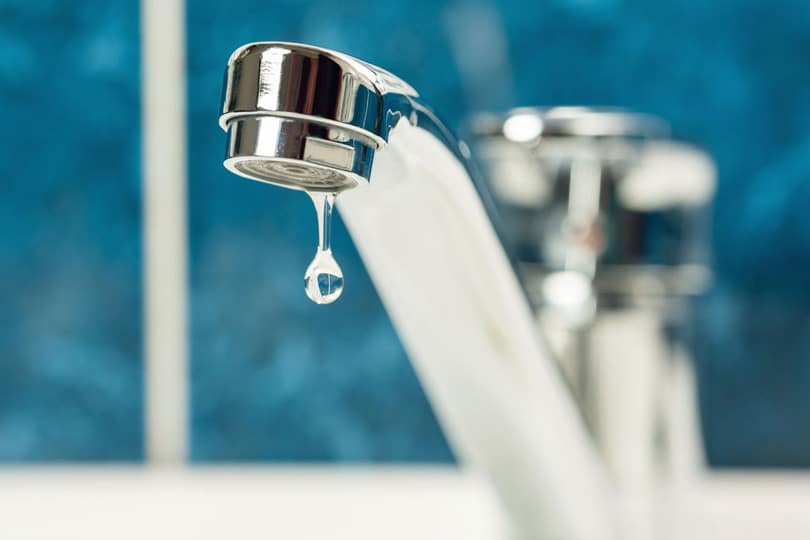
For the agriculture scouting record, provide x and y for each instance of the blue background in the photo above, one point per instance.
(276, 377)
(70, 281)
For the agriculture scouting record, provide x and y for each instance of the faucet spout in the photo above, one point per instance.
(307, 118)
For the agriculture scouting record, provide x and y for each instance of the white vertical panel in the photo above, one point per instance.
(165, 247)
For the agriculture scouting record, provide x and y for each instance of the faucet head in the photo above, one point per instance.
(604, 192)
(294, 154)
(300, 117)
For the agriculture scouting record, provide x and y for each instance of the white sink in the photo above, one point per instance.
(242, 503)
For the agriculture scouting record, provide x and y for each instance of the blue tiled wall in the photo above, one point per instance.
(278, 378)
(70, 323)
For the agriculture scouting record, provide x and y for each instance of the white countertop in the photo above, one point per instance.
(216, 502)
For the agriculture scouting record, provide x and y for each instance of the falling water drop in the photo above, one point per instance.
(323, 280)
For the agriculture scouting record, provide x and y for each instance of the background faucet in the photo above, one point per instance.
(312, 119)
(609, 217)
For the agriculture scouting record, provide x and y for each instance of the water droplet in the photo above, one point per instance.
(323, 280)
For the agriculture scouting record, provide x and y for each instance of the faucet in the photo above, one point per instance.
(316, 120)
(608, 214)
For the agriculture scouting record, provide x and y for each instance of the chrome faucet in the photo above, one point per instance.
(311, 119)
(609, 215)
